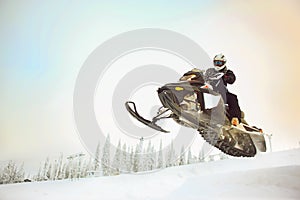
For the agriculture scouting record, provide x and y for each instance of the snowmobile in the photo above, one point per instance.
(186, 103)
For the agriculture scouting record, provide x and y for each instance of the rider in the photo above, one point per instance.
(234, 112)
(231, 99)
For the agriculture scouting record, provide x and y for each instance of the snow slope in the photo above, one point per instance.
(267, 176)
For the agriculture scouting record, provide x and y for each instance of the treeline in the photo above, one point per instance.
(106, 161)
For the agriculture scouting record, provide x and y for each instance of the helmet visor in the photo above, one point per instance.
(219, 63)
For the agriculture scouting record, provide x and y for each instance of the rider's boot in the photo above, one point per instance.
(234, 121)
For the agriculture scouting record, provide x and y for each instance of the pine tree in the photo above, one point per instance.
(79, 168)
(49, 172)
(124, 158)
(68, 169)
(20, 176)
(12, 174)
(45, 169)
(211, 157)
(171, 156)
(9, 173)
(154, 157)
(59, 173)
(141, 162)
(97, 158)
(39, 175)
(149, 157)
(130, 161)
(160, 162)
(1, 176)
(116, 166)
(190, 157)
(87, 167)
(137, 162)
(55, 169)
(136, 159)
(201, 155)
(64, 171)
(223, 156)
(105, 160)
(182, 156)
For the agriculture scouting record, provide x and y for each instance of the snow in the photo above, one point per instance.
(267, 176)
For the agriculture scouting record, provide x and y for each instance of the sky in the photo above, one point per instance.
(44, 45)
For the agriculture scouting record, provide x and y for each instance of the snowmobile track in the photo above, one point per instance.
(227, 144)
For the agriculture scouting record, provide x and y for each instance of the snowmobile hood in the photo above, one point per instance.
(186, 87)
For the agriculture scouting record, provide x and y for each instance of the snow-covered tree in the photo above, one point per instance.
(211, 157)
(105, 160)
(38, 177)
(45, 169)
(223, 156)
(79, 167)
(12, 174)
(182, 156)
(49, 172)
(59, 172)
(116, 165)
(130, 161)
(171, 156)
(149, 158)
(137, 161)
(20, 174)
(87, 167)
(160, 162)
(84, 171)
(190, 157)
(97, 158)
(201, 155)
(67, 170)
(124, 158)
(54, 171)
(154, 157)
(9, 173)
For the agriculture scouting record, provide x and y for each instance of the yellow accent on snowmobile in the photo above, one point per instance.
(179, 88)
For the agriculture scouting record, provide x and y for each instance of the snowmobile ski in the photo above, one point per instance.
(135, 114)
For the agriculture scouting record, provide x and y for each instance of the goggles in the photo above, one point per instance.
(219, 63)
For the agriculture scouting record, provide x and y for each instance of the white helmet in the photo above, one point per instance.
(219, 62)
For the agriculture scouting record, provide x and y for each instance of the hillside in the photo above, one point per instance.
(267, 176)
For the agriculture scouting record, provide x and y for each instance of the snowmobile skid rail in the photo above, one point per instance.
(133, 111)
